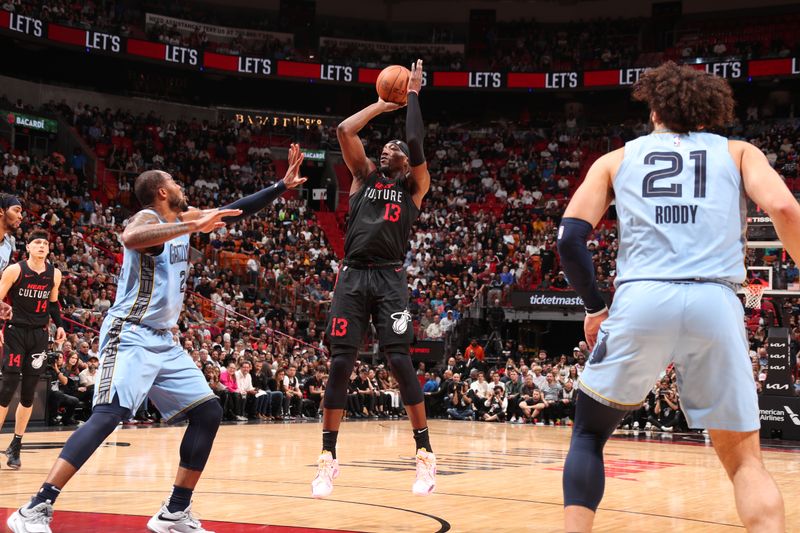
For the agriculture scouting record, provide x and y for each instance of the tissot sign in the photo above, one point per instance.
(98, 41)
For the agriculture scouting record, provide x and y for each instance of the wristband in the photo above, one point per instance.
(54, 309)
(596, 313)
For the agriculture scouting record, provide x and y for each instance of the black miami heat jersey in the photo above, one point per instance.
(30, 295)
(381, 216)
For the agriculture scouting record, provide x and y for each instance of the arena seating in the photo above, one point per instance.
(264, 284)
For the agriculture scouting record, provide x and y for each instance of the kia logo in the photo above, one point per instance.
(777, 386)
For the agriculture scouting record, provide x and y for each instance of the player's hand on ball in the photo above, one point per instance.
(292, 178)
(388, 107)
(591, 325)
(415, 81)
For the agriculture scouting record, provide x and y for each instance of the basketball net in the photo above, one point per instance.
(753, 292)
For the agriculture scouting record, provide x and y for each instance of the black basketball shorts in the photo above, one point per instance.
(25, 350)
(377, 293)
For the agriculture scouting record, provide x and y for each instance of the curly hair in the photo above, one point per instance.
(686, 99)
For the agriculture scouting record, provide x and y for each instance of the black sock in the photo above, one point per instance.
(48, 492)
(329, 441)
(16, 440)
(180, 499)
(423, 439)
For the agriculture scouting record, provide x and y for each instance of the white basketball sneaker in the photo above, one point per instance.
(426, 473)
(180, 522)
(34, 520)
(327, 471)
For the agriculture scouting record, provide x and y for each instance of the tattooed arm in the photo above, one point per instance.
(144, 230)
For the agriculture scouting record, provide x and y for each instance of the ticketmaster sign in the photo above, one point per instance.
(548, 300)
(31, 122)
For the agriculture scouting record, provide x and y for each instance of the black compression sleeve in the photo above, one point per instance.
(255, 202)
(55, 313)
(576, 259)
(415, 130)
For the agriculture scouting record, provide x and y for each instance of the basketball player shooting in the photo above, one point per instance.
(139, 357)
(679, 192)
(384, 203)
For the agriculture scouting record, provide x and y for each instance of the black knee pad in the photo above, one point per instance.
(87, 438)
(343, 359)
(8, 388)
(204, 420)
(28, 390)
(403, 370)
(583, 481)
(207, 413)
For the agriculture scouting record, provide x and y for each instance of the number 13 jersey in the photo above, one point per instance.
(151, 286)
(681, 208)
(382, 213)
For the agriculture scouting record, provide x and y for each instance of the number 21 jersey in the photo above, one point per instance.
(681, 208)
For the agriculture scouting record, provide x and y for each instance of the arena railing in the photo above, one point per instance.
(226, 314)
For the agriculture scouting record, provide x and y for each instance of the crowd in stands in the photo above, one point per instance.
(259, 289)
(521, 45)
(526, 45)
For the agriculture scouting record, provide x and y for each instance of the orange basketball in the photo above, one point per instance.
(392, 83)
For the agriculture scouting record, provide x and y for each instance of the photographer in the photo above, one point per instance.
(497, 405)
(461, 404)
(56, 396)
(667, 414)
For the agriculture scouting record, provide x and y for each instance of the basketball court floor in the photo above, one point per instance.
(492, 477)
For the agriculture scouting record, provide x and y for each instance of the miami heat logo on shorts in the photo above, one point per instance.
(401, 321)
(37, 360)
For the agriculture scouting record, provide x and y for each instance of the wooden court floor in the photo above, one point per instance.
(492, 477)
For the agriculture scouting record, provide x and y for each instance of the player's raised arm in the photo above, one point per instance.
(415, 135)
(352, 148)
(766, 188)
(145, 230)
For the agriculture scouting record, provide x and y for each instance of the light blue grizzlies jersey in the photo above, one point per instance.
(7, 246)
(681, 208)
(151, 287)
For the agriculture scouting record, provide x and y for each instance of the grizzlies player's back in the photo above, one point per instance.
(681, 209)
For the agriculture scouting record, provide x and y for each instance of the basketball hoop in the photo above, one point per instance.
(753, 292)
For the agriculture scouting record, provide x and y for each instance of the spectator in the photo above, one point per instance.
(461, 407)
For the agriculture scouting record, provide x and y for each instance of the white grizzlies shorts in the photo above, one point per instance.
(699, 327)
(137, 362)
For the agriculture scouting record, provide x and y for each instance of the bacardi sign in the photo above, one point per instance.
(31, 122)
